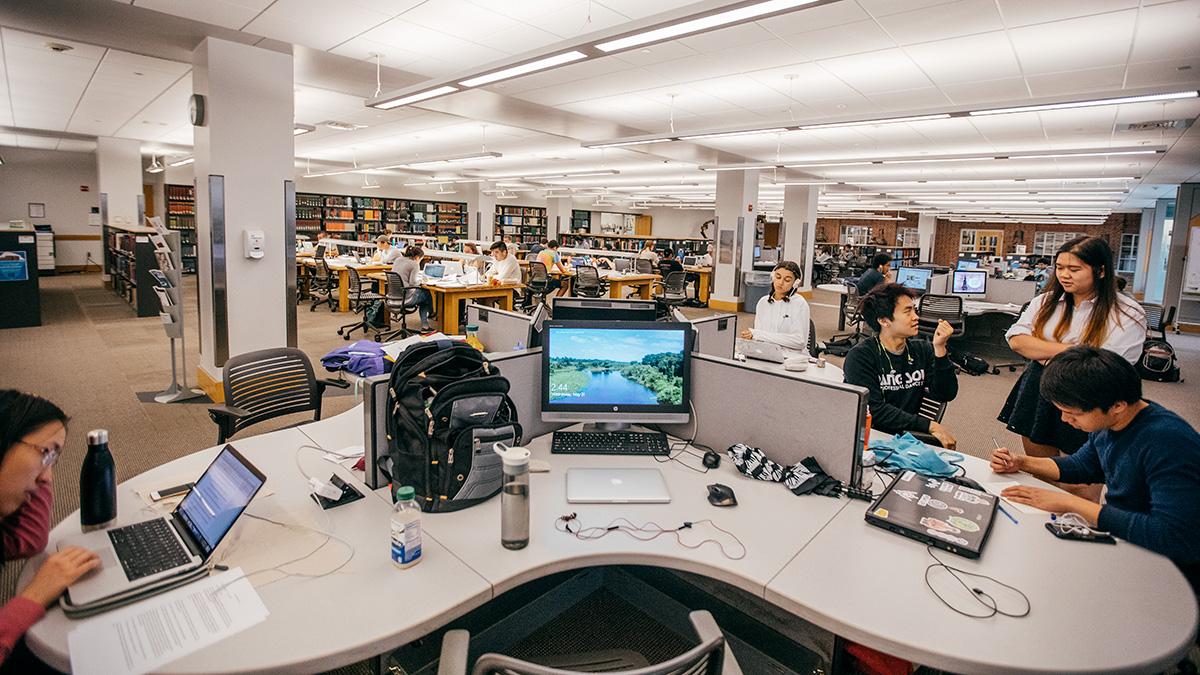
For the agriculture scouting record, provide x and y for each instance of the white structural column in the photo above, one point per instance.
(558, 216)
(800, 227)
(1145, 236)
(481, 212)
(926, 234)
(119, 174)
(1156, 271)
(244, 160)
(737, 207)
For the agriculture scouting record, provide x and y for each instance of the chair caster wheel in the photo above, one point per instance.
(995, 371)
(1012, 369)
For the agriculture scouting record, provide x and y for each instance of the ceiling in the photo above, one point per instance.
(844, 60)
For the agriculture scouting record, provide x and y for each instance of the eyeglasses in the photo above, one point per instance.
(49, 455)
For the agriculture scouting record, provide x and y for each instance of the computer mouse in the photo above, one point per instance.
(965, 482)
(721, 495)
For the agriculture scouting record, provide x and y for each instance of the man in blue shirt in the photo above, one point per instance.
(1147, 456)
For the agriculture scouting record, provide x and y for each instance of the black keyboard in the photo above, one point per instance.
(609, 443)
(147, 548)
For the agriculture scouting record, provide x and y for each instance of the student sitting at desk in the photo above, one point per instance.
(553, 262)
(896, 369)
(506, 269)
(781, 316)
(330, 244)
(32, 433)
(385, 253)
(409, 268)
(1147, 456)
(648, 252)
(881, 271)
(1080, 306)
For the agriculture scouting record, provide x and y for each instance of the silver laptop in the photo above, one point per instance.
(763, 351)
(616, 486)
(146, 552)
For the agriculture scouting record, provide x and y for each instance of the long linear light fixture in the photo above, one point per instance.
(1020, 154)
(182, 162)
(727, 133)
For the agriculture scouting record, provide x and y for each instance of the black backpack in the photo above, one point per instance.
(447, 407)
(1158, 362)
(374, 315)
(969, 363)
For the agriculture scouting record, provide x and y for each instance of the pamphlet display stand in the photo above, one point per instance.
(170, 298)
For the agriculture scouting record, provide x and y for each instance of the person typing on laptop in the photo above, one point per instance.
(898, 370)
(781, 317)
(32, 433)
(408, 266)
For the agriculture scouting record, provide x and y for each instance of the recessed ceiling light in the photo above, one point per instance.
(58, 47)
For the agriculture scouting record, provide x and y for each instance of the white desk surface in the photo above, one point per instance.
(315, 624)
(830, 373)
(1095, 608)
(977, 307)
(840, 289)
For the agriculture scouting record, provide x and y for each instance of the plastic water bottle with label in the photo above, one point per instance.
(406, 528)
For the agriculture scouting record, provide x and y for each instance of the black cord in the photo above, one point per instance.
(980, 596)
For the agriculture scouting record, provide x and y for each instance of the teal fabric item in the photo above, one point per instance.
(906, 453)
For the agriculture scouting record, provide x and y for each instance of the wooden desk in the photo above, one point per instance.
(644, 283)
(705, 274)
(343, 271)
(445, 299)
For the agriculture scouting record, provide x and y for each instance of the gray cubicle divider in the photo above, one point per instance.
(715, 335)
(787, 417)
(500, 330)
(1010, 291)
(939, 284)
(524, 372)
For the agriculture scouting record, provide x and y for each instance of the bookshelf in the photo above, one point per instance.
(581, 221)
(128, 259)
(181, 217)
(525, 224)
(350, 217)
(308, 214)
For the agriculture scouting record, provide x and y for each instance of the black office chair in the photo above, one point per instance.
(588, 283)
(672, 291)
(399, 302)
(932, 410)
(932, 308)
(643, 266)
(266, 384)
(813, 348)
(622, 264)
(1157, 319)
(361, 297)
(711, 657)
(840, 344)
(537, 286)
(323, 284)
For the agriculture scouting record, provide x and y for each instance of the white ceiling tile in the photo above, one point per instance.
(567, 74)
(746, 92)
(71, 145)
(852, 38)
(431, 44)
(38, 142)
(459, 18)
(1076, 81)
(623, 82)
(640, 9)
(576, 18)
(523, 10)
(228, 13)
(987, 56)
(45, 86)
(913, 99)
(842, 108)
(659, 53)
(804, 82)
(313, 24)
(815, 18)
(881, 71)
(391, 56)
(516, 39)
(1024, 127)
(1157, 73)
(117, 92)
(886, 7)
(20, 39)
(1000, 92)
(164, 114)
(1025, 12)
(1078, 120)
(1170, 31)
(955, 19)
(725, 38)
(1074, 44)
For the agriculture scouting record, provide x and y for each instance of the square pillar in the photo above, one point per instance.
(800, 228)
(733, 236)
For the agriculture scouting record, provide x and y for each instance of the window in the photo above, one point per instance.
(855, 234)
(1127, 257)
(1048, 243)
(907, 236)
(990, 242)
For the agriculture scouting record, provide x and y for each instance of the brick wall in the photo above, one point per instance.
(828, 229)
(945, 244)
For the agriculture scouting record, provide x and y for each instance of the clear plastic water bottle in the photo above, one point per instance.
(406, 528)
(97, 483)
(514, 497)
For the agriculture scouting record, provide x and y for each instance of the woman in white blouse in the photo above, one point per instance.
(782, 315)
(1080, 306)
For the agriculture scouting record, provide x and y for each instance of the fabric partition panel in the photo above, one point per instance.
(499, 330)
(524, 372)
(787, 417)
(715, 335)
(939, 284)
(1010, 291)
(375, 443)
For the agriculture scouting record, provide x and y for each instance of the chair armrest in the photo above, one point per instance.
(340, 384)
(453, 659)
(227, 412)
(706, 629)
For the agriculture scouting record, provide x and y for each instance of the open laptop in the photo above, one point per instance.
(147, 552)
(434, 270)
(763, 351)
(616, 486)
(936, 512)
(689, 260)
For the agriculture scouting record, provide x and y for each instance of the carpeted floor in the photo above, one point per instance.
(93, 357)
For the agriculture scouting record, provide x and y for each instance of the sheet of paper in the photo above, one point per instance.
(995, 486)
(161, 629)
(392, 350)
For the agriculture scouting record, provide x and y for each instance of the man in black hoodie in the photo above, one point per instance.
(898, 370)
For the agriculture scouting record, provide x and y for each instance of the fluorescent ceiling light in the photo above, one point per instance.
(867, 123)
(621, 144)
(182, 162)
(155, 166)
(443, 182)
(806, 165)
(1088, 104)
(703, 23)
(446, 191)
(1096, 153)
(438, 160)
(342, 126)
(298, 129)
(738, 167)
(728, 134)
(523, 69)
(388, 104)
(989, 180)
(806, 182)
(937, 159)
(560, 174)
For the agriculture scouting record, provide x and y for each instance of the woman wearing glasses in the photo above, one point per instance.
(32, 433)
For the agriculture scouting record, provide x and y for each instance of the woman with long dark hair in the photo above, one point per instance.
(781, 316)
(1079, 306)
(32, 433)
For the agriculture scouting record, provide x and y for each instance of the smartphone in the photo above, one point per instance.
(166, 493)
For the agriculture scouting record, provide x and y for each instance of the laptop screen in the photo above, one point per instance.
(218, 498)
(434, 271)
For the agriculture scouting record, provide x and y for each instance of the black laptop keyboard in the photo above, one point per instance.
(147, 548)
(609, 443)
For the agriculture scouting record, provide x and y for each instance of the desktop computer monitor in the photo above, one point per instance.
(968, 264)
(969, 283)
(916, 278)
(616, 373)
(757, 252)
(603, 309)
